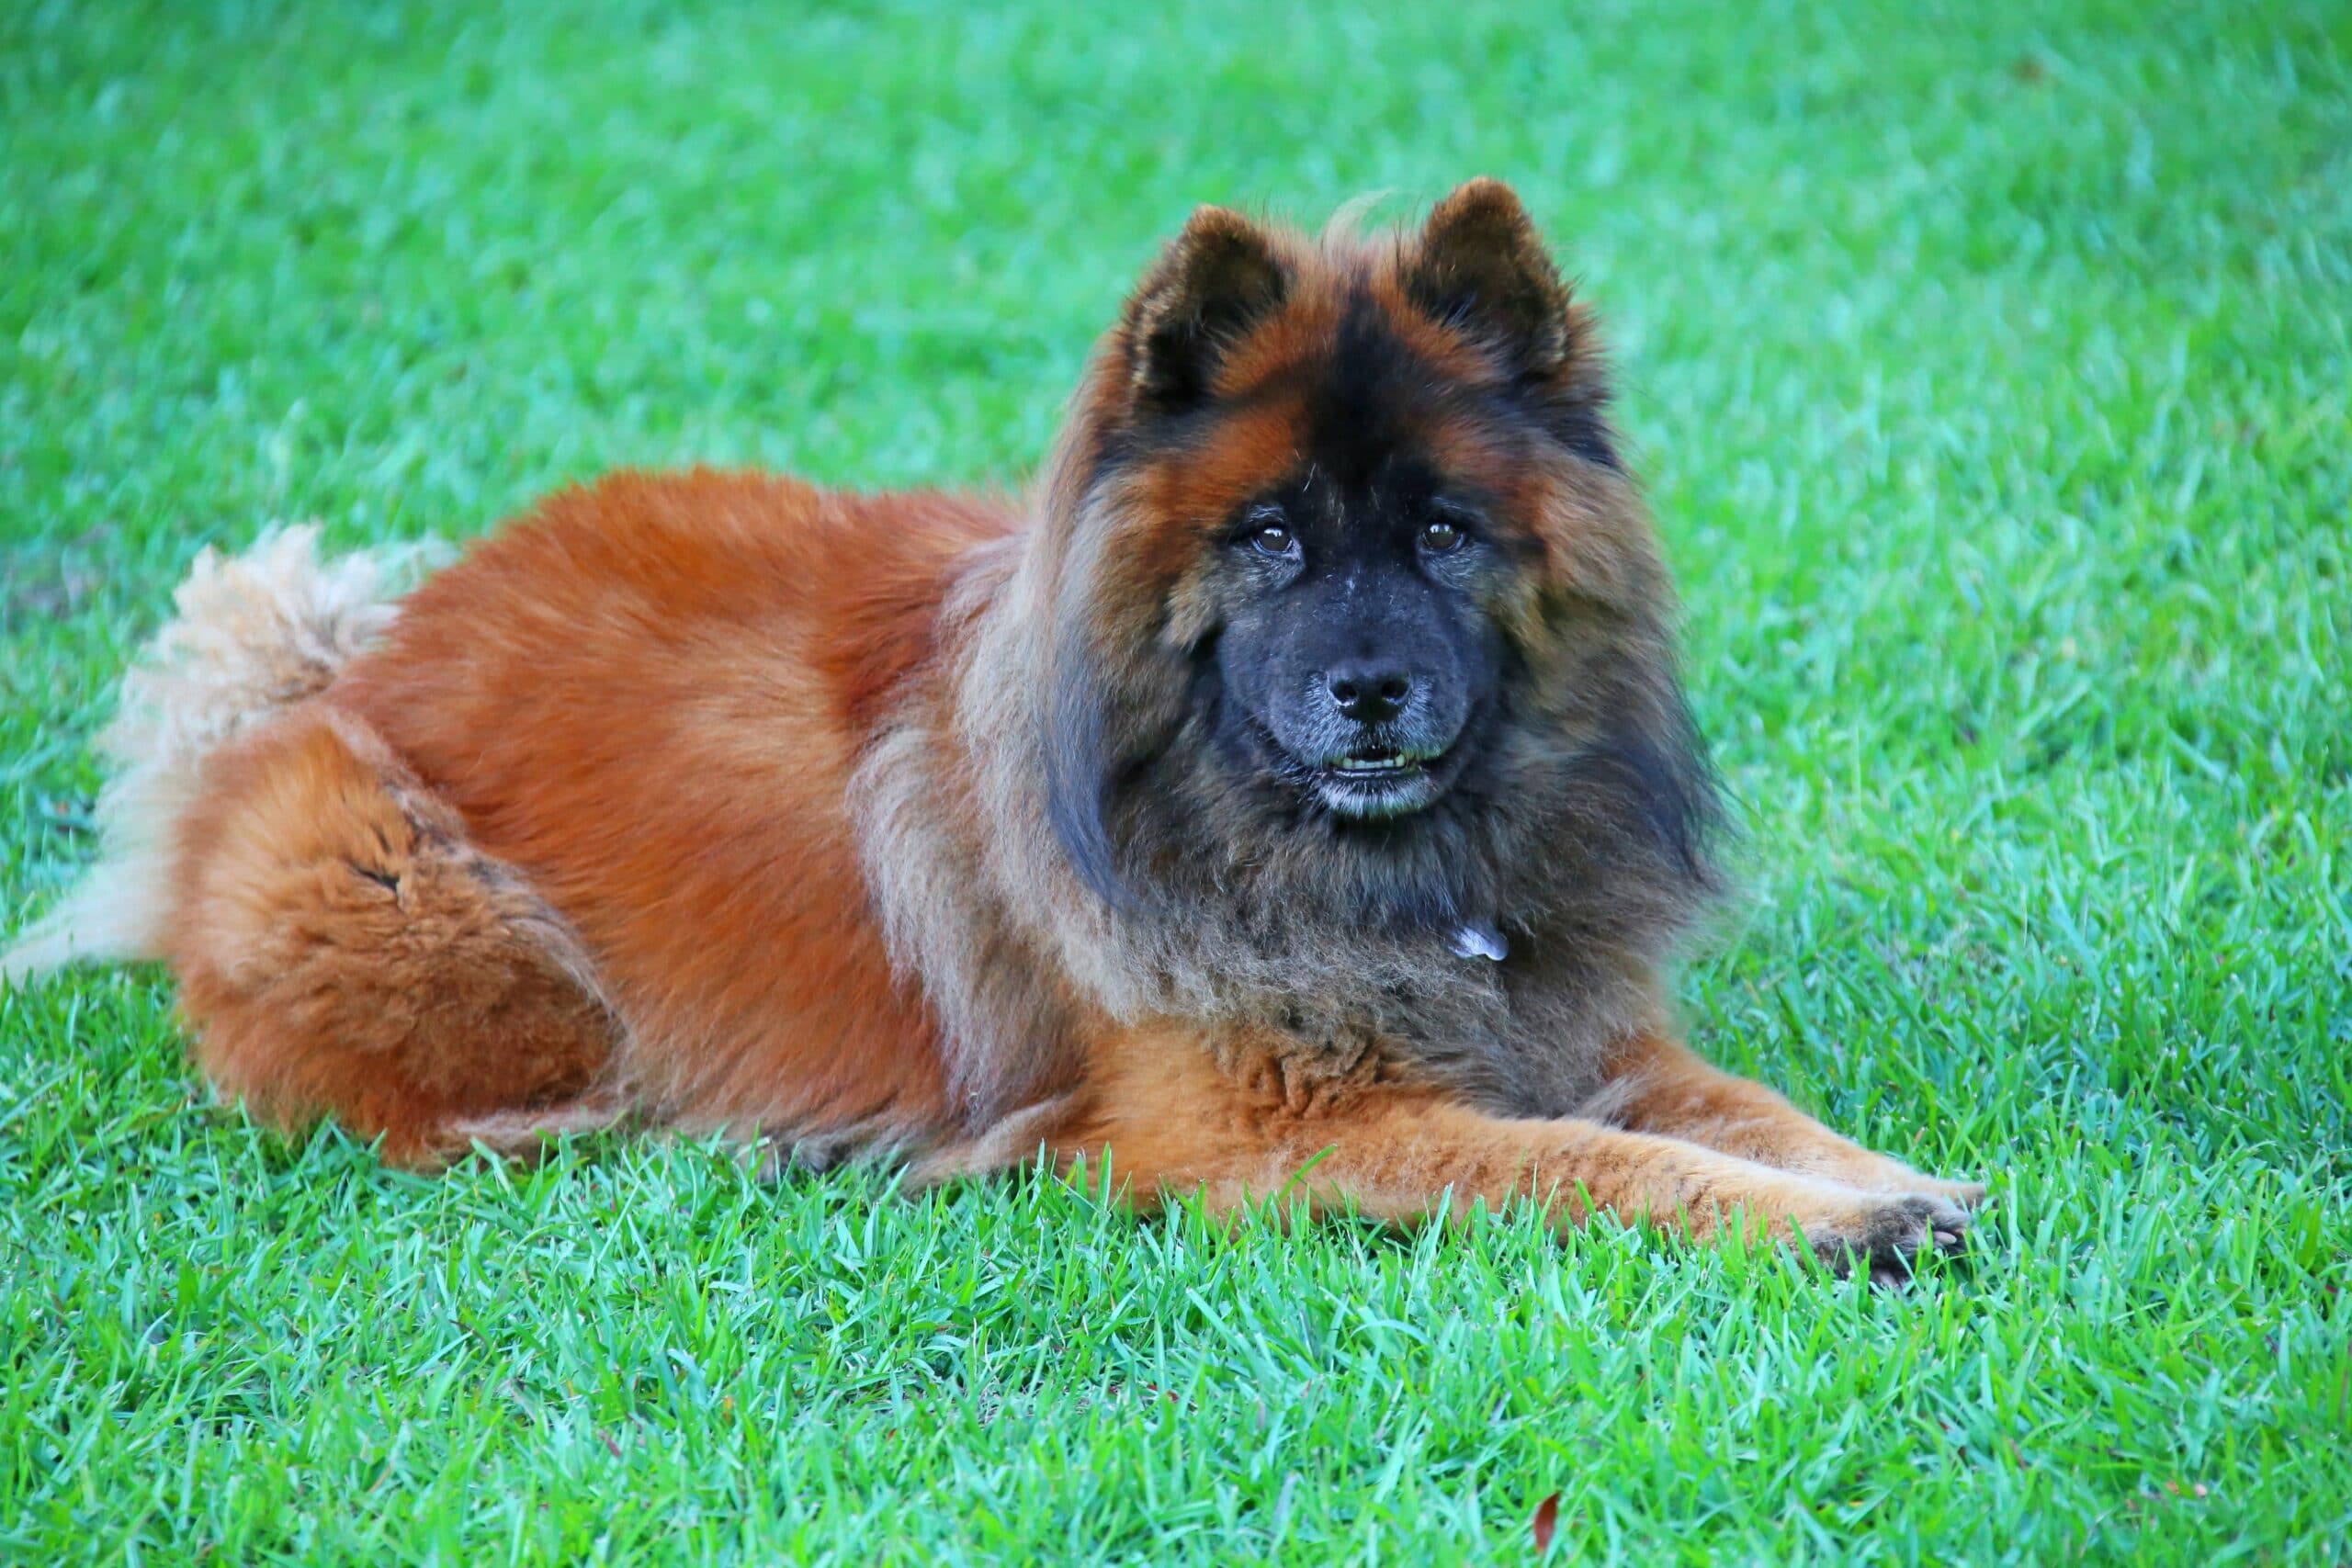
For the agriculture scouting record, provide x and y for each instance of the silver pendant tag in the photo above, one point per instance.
(1480, 942)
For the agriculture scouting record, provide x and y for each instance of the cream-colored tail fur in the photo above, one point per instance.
(253, 633)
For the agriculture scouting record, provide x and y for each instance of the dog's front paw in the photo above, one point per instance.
(1878, 1173)
(1968, 1195)
(1886, 1233)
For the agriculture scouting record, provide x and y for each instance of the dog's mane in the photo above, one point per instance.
(1058, 793)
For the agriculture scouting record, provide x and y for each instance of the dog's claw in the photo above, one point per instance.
(1886, 1235)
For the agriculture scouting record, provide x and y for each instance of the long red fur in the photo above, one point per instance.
(581, 839)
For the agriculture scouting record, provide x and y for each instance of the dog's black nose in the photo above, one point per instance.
(1369, 691)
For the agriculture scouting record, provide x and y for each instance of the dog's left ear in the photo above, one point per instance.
(1480, 267)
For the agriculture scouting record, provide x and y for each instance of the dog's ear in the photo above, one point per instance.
(1481, 269)
(1217, 278)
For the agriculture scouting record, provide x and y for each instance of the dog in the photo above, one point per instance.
(1294, 794)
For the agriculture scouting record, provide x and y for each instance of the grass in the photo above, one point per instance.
(1990, 364)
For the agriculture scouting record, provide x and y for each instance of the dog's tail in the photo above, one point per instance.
(251, 634)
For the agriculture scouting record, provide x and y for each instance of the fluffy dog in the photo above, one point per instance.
(1296, 788)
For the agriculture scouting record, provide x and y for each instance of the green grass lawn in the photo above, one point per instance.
(1990, 366)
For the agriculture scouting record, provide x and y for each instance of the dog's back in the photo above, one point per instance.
(493, 875)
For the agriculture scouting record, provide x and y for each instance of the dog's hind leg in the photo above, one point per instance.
(343, 949)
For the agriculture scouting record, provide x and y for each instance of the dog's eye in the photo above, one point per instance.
(1439, 537)
(1273, 539)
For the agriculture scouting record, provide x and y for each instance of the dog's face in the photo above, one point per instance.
(1348, 555)
(1356, 646)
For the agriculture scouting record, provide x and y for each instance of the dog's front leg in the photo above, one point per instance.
(1657, 1084)
(1261, 1116)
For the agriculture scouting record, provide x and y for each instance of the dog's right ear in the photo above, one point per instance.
(1217, 279)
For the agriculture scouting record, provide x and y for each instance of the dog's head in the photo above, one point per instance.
(1349, 582)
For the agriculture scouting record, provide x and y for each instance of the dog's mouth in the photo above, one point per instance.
(1379, 776)
(1373, 765)
(1379, 781)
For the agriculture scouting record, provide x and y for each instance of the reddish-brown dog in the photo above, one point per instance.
(1298, 782)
